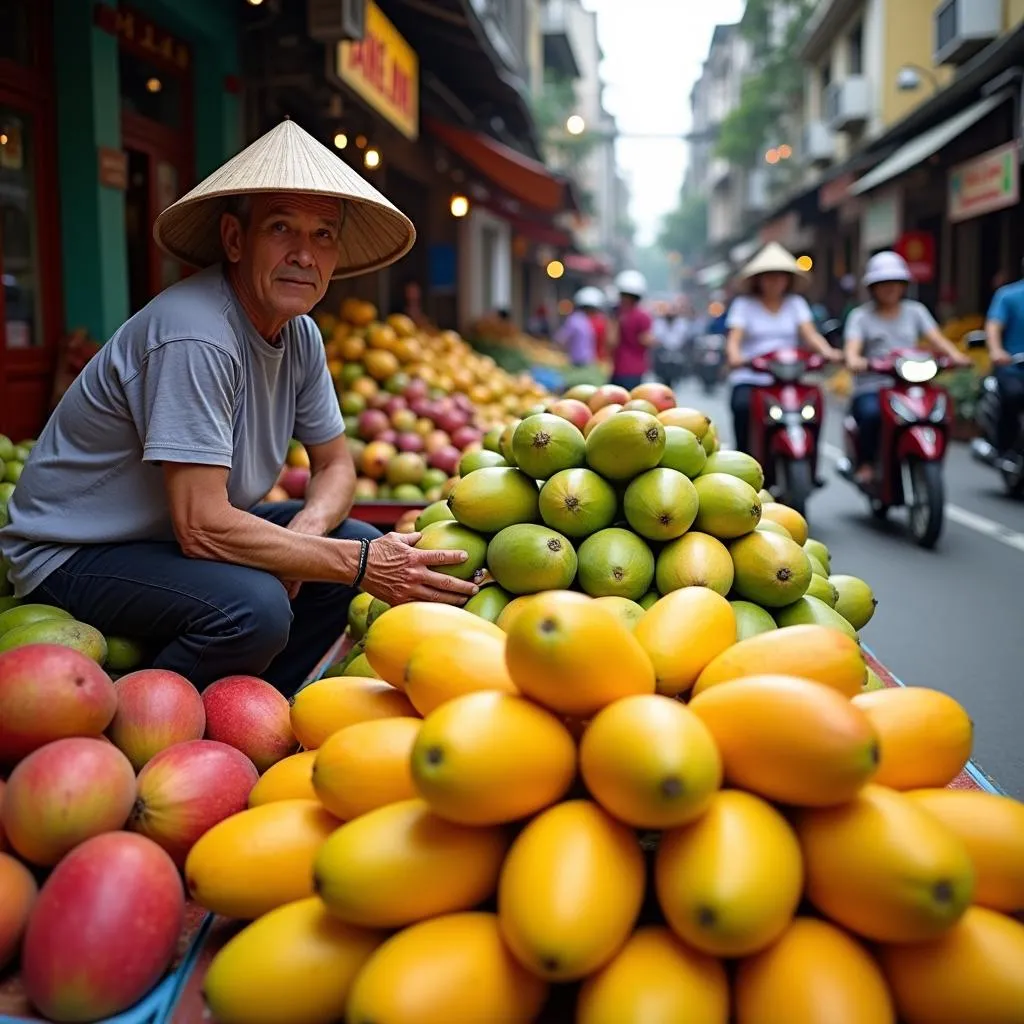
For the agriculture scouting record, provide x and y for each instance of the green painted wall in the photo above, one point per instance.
(89, 116)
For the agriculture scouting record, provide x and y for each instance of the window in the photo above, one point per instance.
(19, 262)
(149, 91)
(855, 49)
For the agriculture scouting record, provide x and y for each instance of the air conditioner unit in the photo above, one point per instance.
(331, 21)
(847, 103)
(965, 27)
(819, 144)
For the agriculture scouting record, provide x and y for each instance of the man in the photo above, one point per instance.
(137, 511)
(633, 335)
(1004, 332)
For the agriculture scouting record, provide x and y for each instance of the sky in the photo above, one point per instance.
(653, 50)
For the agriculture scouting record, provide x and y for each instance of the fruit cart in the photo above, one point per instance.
(178, 998)
(383, 514)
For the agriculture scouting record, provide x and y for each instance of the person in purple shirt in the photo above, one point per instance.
(577, 335)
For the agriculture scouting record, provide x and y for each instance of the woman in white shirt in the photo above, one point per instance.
(769, 317)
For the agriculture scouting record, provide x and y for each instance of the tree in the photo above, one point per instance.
(773, 28)
(551, 107)
(685, 229)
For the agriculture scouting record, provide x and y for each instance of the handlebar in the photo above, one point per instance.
(791, 359)
(888, 364)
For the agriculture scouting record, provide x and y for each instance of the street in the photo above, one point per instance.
(946, 618)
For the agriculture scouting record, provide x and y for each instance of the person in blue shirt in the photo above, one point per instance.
(1004, 332)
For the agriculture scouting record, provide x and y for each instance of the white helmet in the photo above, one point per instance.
(631, 282)
(886, 266)
(589, 297)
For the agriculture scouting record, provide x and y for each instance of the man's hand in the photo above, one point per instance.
(398, 572)
(735, 360)
(1000, 357)
(963, 360)
(833, 355)
(856, 364)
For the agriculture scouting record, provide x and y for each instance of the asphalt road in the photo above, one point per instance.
(948, 618)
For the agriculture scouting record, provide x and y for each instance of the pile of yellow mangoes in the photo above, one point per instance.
(568, 816)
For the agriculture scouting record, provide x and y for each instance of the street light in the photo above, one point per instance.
(555, 269)
(909, 76)
(575, 125)
(371, 158)
(459, 206)
(340, 140)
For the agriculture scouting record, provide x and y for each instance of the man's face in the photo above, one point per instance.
(287, 251)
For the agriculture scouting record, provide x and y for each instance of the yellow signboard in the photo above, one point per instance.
(384, 70)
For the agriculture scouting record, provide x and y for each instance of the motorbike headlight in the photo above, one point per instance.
(917, 371)
(938, 413)
(901, 409)
(775, 412)
(808, 412)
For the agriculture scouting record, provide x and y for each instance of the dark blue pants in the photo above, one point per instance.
(867, 411)
(206, 619)
(1011, 401)
(739, 405)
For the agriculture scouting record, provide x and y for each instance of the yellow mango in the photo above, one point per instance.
(883, 867)
(570, 891)
(683, 632)
(365, 766)
(650, 761)
(729, 884)
(789, 740)
(290, 779)
(454, 969)
(971, 974)
(992, 829)
(295, 965)
(440, 669)
(488, 758)
(258, 859)
(814, 973)
(655, 979)
(324, 707)
(394, 635)
(401, 863)
(570, 654)
(808, 652)
(924, 736)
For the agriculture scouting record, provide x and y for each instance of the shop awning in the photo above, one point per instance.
(583, 263)
(715, 275)
(920, 148)
(524, 179)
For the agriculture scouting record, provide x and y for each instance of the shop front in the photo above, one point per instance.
(30, 301)
(107, 114)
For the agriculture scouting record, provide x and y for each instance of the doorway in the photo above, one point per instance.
(156, 135)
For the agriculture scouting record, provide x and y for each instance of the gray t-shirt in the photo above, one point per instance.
(881, 335)
(187, 379)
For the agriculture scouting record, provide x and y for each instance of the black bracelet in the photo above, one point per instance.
(364, 557)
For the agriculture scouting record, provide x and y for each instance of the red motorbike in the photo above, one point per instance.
(916, 422)
(785, 422)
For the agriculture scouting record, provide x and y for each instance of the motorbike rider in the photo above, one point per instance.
(1004, 334)
(633, 334)
(673, 333)
(887, 322)
(768, 317)
(577, 335)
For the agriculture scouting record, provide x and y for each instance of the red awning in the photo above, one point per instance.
(524, 179)
(581, 263)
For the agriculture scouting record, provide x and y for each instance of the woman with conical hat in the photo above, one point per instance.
(139, 509)
(767, 317)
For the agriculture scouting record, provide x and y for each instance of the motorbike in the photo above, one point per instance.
(710, 358)
(987, 415)
(785, 422)
(916, 421)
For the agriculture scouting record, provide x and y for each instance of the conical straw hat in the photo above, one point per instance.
(373, 234)
(772, 258)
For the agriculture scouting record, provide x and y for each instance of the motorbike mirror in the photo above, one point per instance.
(975, 339)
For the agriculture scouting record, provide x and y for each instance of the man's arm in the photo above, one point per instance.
(207, 526)
(995, 323)
(330, 491)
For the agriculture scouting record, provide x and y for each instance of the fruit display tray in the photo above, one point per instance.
(382, 513)
(178, 998)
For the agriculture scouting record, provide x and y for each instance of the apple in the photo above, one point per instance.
(251, 716)
(155, 710)
(188, 788)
